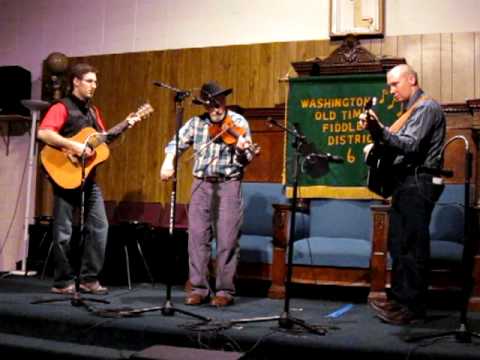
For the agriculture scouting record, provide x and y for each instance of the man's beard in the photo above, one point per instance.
(217, 117)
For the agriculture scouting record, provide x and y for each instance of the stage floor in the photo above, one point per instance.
(344, 324)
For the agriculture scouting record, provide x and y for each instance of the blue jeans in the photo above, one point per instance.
(92, 244)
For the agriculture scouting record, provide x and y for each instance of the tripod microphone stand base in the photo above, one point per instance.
(75, 300)
(462, 335)
(167, 310)
(287, 322)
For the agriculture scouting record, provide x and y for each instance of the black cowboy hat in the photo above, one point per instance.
(210, 90)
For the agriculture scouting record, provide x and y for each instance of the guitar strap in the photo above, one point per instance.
(402, 120)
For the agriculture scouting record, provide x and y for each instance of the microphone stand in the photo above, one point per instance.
(285, 320)
(462, 334)
(180, 95)
(76, 299)
(167, 309)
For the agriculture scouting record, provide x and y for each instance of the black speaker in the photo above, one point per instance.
(15, 85)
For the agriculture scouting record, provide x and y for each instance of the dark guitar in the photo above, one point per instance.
(379, 160)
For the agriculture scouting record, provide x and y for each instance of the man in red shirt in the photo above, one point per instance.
(63, 120)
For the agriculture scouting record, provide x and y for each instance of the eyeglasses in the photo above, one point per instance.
(90, 81)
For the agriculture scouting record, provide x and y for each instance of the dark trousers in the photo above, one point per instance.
(92, 243)
(409, 239)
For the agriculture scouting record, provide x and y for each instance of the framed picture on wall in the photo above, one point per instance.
(362, 18)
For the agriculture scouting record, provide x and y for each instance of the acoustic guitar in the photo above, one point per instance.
(379, 159)
(379, 179)
(65, 169)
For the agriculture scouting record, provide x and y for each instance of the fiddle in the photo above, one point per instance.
(229, 133)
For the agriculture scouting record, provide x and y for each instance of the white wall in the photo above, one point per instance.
(31, 29)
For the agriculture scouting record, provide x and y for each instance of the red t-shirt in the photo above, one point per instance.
(57, 115)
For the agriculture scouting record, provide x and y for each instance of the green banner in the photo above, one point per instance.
(326, 110)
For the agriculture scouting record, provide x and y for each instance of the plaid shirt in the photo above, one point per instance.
(216, 158)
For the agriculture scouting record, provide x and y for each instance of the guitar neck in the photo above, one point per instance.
(116, 131)
(113, 133)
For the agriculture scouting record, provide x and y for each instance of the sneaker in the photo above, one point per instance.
(93, 287)
(67, 290)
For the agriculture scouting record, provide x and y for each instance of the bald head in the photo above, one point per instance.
(403, 82)
(405, 70)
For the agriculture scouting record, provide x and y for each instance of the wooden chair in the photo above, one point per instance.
(136, 219)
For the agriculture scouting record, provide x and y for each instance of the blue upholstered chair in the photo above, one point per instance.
(339, 235)
(447, 237)
(332, 244)
(256, 240)
(447, 227)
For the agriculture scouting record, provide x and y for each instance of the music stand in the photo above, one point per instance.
(167, 309)
(463, 333)
(318, 166)
(76, 299)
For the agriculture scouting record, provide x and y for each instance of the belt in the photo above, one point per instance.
(428, 171)
(217, 179)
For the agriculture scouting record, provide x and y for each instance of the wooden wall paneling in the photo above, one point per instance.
(158, 125)
(263, 77)
(375, 46)
(108, 96)
(152, 128)
(139, 160)
(130, 147)
(242, 75)
(463, 66)
(389, 46)
(282, 56)
(476, 73)
(193, 75)
(151, 133)
(446, 61)
(410, 48)
(267, 167)
(176, 70)
(127, 147)
(306, 50)
(219, 65)
(431, 66)
(228, 70)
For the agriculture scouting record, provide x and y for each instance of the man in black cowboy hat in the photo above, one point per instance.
(216, 205)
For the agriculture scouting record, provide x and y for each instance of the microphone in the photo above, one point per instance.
(324, 156)
(211, 101)
(198, 101)
(370, 103)
(166, 86)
